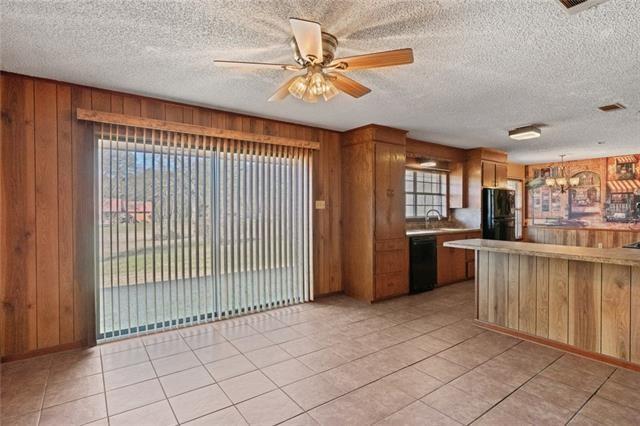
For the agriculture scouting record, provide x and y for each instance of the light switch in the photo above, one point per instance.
(320, 204)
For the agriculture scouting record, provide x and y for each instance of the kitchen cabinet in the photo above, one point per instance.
(455, 265)
(375, 253)
(494, 175)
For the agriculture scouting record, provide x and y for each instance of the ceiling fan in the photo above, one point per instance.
(313, 51)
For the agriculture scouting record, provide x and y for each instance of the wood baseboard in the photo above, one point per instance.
(44, 351)
(558, 345)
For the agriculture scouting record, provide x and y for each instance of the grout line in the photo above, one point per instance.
(591, 397)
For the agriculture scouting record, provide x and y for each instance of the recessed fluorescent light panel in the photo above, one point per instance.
(524, 133)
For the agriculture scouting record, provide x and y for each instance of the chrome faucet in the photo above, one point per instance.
(428, 219)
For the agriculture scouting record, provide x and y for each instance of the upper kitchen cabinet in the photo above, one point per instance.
(484, 168)
(373, 223)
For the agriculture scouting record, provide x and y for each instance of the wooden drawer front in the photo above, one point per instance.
(393, 284)
(440, 239)
(390, 261)
(388, 245)
(471, 269)
(470, 254)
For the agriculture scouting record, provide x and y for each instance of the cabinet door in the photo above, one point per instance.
(488, 174)
(501, 175)
(389, 182)
(452, 265)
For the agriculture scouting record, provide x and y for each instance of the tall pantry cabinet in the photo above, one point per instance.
(373, 221)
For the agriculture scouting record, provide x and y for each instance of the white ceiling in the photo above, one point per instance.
(481, 67)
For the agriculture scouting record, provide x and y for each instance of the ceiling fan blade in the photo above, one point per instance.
(308, 35)
(388, 58)
(239, 64)
(348, 85)
(283, 91)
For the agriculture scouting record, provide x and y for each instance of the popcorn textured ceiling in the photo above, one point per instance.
(481, 67)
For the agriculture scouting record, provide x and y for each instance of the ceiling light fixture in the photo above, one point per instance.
(428, 164)
(562, 180)
(524, 133)
(312, 86)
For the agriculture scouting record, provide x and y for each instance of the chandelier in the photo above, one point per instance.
(562, 181)
(313, 86)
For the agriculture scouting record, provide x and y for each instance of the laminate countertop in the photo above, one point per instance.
(439, 231)
(616, 256)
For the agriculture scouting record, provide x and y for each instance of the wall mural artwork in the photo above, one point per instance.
(602, 193)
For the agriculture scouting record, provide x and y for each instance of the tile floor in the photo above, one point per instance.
(412, 360)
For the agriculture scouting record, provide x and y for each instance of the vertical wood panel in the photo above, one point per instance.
(513, 303)
(542, 297)
(173, 113)
(46, 163)
(131, 106)
(498, 293)
(635, 315)
(100, 101)
(585, 287)
(483, 285)
(117, 104)
(559, 299)
(65, 214)
(616, 317)
(528, 288)
(150, 108)
(17, 204)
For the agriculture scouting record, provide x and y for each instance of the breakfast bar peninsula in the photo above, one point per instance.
(579, 299)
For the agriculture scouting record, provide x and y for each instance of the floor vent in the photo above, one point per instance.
(575, 6)
(612, 107)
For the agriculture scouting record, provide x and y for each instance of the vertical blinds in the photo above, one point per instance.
(195, 228)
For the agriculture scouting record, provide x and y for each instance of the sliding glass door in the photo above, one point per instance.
(194, 228)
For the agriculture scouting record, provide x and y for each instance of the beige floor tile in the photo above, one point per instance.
(199, 402)
(441, 368)
(70, 390)
(456, 404)
(201, 340)
(124, 359)
(430, 344)
(421, 325)
(22, 401)
(499, 417)
(442, 318)
(312, 392)
(230, 367)
(186, 380)
(246, 386)
(352, 350)
(282, 335)
(610, 413)
(86, 367)
(76, 412)
(175, 363)
(482, 387)
(454, 334)
(525, 361)
(251, 343)
(164, 336)
(302, 346)
(628, 378)
(229, 416)
(287, 372)
(574, 378)
(269, 409)
(466, 355)
(121, 345)
(194, 330)
(504, 372)
(156, 414)
(237, 332)
(267, 324)
(355, 374)
(30, 419)
(128, 375)
(363, 406)
(582, 420)
(216, 352)
(413, 382)
(301, 420)
(168, 348)
(134, 396)
(620, 394)
(322, 360)
(267, 356)
(575, 362)
(556, 393)
(534, 410)
(417, 414)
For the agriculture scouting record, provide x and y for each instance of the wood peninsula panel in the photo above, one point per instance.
(635, 315)
(542, 296)
(559, 300)
(483, 286)
(498, 292)
(616, 316)
(513, 288)
(585, 289)
(528, 289)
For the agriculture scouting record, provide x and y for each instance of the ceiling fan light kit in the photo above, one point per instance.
(314, 52)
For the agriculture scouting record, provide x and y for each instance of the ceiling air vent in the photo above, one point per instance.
(575, 6)
(612, 107)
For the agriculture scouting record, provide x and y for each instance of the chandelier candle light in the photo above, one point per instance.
(562, 181)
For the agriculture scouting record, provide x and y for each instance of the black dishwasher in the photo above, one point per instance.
(423, 264)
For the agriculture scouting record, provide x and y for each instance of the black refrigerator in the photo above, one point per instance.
(498, 214)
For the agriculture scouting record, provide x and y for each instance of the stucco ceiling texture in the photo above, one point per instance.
(481, 67)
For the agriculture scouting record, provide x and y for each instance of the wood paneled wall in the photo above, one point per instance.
(607, 238)
(46, 203)
(591, 306)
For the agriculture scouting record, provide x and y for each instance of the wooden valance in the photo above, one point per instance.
(192, 129)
